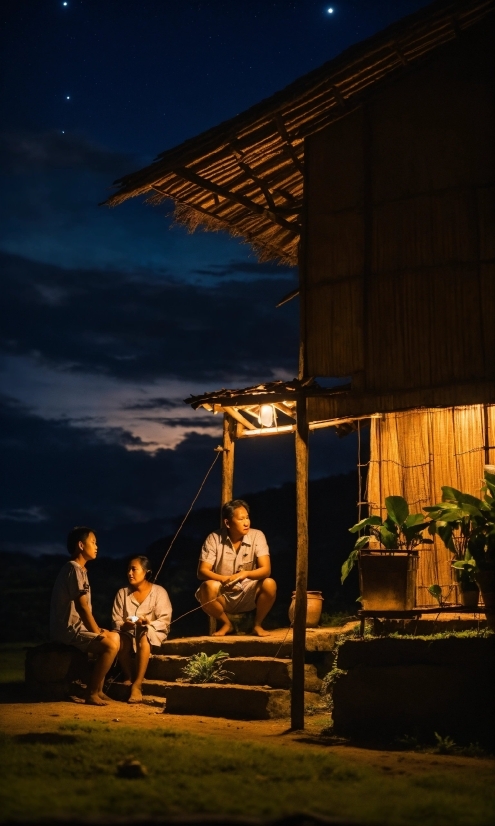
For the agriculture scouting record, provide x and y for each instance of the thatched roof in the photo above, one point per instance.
(246, 175)
(272, 391)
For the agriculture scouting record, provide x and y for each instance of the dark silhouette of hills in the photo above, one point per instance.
(332, 510)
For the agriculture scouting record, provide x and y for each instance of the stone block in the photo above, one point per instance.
(233, 702)
(52, 669)
(264, 671)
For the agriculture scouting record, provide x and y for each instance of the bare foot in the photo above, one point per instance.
(258, 631)
(127, 682)
(136, 695)
(103, 696)
(94, 700)
(226, 628)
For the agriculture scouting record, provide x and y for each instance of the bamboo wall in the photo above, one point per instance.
(398, 262)
(413, 454)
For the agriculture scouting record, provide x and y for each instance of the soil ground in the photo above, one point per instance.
(23, 718)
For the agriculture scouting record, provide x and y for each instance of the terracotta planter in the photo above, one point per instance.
(388, 580)
(313, 613)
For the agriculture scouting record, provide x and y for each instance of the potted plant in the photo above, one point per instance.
(454, 526)
(466, 524)
(387, 557)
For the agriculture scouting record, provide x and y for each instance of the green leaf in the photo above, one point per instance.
(389, 539)
(490, 477)
(397, 509)
(370, 520)
(361, 542)
(349, 564)
(436, 592)
(451, 494)
(415, 519)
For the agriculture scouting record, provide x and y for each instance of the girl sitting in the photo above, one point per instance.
(141, 613)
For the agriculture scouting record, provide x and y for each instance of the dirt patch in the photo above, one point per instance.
(37, 718)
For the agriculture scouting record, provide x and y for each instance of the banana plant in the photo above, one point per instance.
(399, 531)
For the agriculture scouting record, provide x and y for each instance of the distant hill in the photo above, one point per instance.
(332, 510)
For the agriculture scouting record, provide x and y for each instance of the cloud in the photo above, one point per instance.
(76, 476)
(157, 403)
(241, 269)
(32, 514)
(30, 152)
(115, 324)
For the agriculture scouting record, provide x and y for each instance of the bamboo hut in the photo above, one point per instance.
(375, 174)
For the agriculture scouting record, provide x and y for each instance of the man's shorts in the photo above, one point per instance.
(241, 598)
(81, 639)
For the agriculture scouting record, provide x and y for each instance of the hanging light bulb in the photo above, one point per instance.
(266, 416)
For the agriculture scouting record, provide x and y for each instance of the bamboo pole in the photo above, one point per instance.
(299, 633)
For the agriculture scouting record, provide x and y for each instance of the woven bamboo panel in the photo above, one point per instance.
(400, 203)
(415, 453)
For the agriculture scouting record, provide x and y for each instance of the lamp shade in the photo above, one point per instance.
(267, 415)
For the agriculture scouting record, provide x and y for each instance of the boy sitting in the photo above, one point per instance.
(71, 618)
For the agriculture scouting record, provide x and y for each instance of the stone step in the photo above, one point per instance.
(278, 644)
(265, 671)
(233, 702)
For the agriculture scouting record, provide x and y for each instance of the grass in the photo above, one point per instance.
(12, 656)
(72, 771)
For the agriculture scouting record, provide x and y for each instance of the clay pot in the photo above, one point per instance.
(313, 613)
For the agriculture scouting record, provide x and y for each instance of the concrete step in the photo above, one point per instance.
(278, 644)
(233, 702)
(265, 671)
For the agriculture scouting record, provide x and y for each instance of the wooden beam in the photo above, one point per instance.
(301, 604)
(285, 137)
(285, 409)
(287, 298)
(269, 431)
(240, 418)
(210, 186)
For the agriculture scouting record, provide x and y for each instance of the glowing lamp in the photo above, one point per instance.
(266, 416)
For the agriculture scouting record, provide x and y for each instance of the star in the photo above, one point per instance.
(329, 11)
(67, 97)
(65, 4)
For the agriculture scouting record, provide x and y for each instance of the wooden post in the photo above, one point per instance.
(229, 426)
(300, 609)
(229, 435)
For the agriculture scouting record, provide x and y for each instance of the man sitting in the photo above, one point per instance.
(235, 567)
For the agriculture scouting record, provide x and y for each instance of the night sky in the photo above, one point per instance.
(110, 318)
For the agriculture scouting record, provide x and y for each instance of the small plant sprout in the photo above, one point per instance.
(200, 668)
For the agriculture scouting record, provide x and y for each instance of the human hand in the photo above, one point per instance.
(128, 625)
(233, 578)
